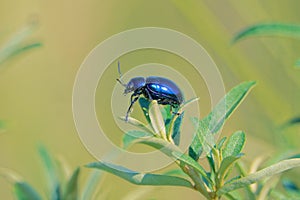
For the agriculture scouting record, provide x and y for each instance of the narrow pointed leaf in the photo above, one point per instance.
(221, 143)
(175, 172)
(233, 179)
(290, 185)
(191, 162)
(226, 166)
(175, 123)
(166, 112)
(212, 123)
(276, 195)
(234, 145)
(133, 136)
(137, 124)
(211, 163)
(24, 191)
(204, 138)
(259, 175)
(291, 122)
(15, 45)
(270, 29)
(49, 164)
(188, 102)
(141, 178)
(174, 152)
(22, 49)
(91, 184)
(71, 192)
(157, 120)
(176, 129)
(232, 197)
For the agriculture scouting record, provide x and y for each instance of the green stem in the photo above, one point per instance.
(199, 184)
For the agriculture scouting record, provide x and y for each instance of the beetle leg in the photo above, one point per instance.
(133, 99)
(149, 96)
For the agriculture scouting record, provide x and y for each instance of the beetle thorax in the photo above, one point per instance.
(134, 84)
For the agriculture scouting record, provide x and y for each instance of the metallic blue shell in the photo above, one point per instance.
(164, 90)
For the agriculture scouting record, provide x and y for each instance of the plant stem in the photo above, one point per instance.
(199, 184)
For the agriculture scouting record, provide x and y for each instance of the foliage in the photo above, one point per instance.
(270, 29)
(222, 155)
(60, 186)
(19, 43)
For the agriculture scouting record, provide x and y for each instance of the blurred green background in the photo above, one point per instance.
(36, 86)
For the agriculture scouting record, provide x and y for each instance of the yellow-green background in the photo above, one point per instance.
(36, 87)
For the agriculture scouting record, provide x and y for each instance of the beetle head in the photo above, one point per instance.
(134, 84)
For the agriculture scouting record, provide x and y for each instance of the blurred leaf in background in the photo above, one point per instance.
(270, 29)
(18, 43)
(60, 185)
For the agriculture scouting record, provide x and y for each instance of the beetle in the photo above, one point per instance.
(161, 89)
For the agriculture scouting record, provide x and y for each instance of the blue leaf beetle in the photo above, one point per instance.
(163, 90)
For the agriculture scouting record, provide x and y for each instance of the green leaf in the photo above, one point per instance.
(259, 175)
(157, 121)
(212, 123)
(174, 126)
(276, 195)
(174, 152)
(15, 46)
(24, 48)
(211, 163)
(268, 186)
(204, 138)
(291, 122)
(91, 185)
(188, 102)
(176, 129)
(234, 145)
(233, 179)
(221, 143)
(242, 170)
(137, 124)
(270, 29)
(144, 103)
(225, 168)
(49, 164)
(133, 136)
(24, 191)
(176, 172)
(290, 185)
(167, 116)
(166, 113)
(190, 162)
(71, 192)
(141, 178)
(232, 197)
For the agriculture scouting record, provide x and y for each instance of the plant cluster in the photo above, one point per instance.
(164, 135)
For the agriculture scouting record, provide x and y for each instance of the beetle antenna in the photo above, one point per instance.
(120, 75)
(119, 70)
